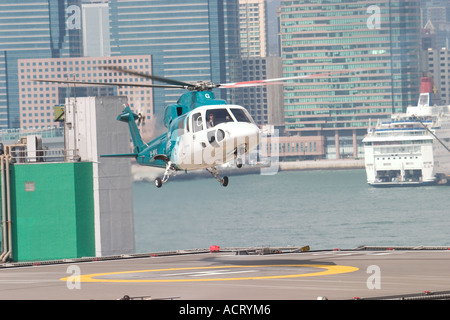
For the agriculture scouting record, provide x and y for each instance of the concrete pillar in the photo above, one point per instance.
(336, 142)
(95, 131)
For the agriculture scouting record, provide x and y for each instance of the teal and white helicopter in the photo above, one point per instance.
(202, 132)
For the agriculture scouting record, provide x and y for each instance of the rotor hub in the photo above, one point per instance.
(203, 86)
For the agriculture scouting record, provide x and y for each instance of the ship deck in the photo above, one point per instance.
(244, 274)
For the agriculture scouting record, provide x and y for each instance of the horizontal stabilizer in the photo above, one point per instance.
(121, 155)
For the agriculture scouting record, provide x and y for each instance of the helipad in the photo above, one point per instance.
(225, 275)
(217, 273)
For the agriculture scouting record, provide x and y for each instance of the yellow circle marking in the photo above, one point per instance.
(329, 270)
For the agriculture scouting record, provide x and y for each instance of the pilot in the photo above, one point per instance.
(210, 123)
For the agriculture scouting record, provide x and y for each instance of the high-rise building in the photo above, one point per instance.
(438, 66)
(376, 47)
(96, 37)
(264, 103)
(437, 13)
(37, 99)
(253, 28)
(189, 40)
(33, 29)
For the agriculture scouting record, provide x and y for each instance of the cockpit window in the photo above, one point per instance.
(217, 116)
(240, 115)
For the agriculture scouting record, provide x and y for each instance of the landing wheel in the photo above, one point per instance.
(239, 163)
(225, 181)
(158, 182)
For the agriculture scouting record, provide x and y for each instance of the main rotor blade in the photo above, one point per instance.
(119, 84)
(149, 76)
(278, 80)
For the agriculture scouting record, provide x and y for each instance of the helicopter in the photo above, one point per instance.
(202, 132)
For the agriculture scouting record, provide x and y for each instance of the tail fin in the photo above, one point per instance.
(129, 117)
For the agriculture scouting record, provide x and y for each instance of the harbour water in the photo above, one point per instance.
(324, 209)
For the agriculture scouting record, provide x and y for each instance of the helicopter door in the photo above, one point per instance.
(177, 132)
(194, 141)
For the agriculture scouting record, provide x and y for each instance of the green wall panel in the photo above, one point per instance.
(52, 211)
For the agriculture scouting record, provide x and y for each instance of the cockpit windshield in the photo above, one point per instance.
(217, 116)
(240, 115)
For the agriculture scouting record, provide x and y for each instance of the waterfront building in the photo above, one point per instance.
(376, 47)
(264, 103)
(37, 99)
(438, 64)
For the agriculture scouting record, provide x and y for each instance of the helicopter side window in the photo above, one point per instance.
(197, 122)
(181, 126)
(217, 116)
(240, 115)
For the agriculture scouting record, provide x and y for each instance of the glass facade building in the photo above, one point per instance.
(372, 48)
(189, 40)
(33, 29)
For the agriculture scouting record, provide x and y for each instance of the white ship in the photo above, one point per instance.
(411, 149)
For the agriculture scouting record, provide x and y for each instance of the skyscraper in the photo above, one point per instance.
(437, 13)
(263, 103)
(253, 28)
(189, 40)
(96, 37)
(376, 46)
(33, 29)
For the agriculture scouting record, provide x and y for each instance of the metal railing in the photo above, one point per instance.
(20, 154)
(17, 134)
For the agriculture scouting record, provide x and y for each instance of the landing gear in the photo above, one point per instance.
(170, 170)
(238, 153)
(158, 182)
(239, 163)
(223, 181)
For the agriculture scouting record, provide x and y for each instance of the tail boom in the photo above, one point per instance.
(129, 117)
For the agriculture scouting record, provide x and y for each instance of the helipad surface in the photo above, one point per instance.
(336, 275)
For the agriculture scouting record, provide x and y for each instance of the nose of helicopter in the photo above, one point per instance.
(238, 134)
